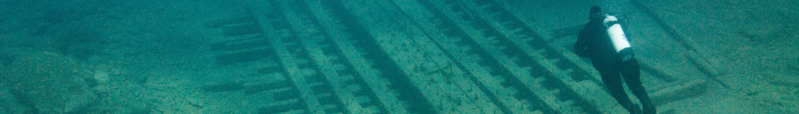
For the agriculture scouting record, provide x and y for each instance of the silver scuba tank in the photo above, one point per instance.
(618, 38)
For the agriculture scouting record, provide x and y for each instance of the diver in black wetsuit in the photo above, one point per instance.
(603, 41)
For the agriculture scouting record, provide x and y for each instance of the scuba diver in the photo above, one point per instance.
(603, 41)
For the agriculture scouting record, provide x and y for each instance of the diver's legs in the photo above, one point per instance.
(612, 79)
(632, 75)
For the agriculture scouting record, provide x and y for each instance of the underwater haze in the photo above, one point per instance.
(388, 56)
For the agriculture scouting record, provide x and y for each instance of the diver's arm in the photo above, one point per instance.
(580, 47)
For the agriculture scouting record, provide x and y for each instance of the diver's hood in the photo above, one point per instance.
(596, 13)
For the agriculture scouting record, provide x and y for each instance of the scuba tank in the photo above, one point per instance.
(618, 38)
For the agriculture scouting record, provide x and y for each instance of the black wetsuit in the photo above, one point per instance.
(594, 43)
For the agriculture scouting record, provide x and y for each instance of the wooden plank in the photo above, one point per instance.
(471, 62)
(289, 63)
(522, 74)
(309, 39)
(370, 75)
(414, 56)
(677, 91)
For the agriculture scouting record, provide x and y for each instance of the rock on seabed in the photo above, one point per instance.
(52, 83)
